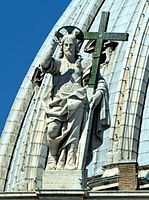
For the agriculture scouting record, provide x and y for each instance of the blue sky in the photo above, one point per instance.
(25, 25)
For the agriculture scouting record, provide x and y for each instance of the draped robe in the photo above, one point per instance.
(66, 102)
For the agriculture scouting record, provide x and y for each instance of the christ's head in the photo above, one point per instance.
(69, 47)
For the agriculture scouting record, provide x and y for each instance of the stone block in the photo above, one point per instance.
(2, 184)
(6, 150)
(21, 186)
(128, 175)
(4, 161)
(3, 172)
(15, 116)
(40, 126)
(64, 179)
(10, 127)
(20, 104)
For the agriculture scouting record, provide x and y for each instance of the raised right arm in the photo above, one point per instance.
(48, 56)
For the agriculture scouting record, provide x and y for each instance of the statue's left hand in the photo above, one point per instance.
(95, 99)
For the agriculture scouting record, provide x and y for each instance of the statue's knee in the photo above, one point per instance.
(53, 130)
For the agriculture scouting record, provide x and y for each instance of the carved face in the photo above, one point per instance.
(69, 47)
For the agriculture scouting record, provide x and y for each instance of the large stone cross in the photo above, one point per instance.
(100, 37)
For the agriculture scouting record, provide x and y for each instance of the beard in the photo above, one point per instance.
(68, 54)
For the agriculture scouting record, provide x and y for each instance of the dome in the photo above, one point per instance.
(23, 150)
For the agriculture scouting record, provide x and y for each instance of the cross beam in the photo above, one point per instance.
(100, 37)
(106, 36)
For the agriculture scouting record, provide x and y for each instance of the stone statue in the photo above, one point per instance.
(66, 103)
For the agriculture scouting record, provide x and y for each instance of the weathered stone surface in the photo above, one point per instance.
(64, 179)
(127, 176)
(127, 76)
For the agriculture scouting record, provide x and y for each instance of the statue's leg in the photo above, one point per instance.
(71, 156)
(61, 160)
(75, 122)
(53, 130)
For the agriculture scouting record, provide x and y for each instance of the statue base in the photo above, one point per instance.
(64, 179)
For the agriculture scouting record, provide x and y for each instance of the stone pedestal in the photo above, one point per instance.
(64, 179)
